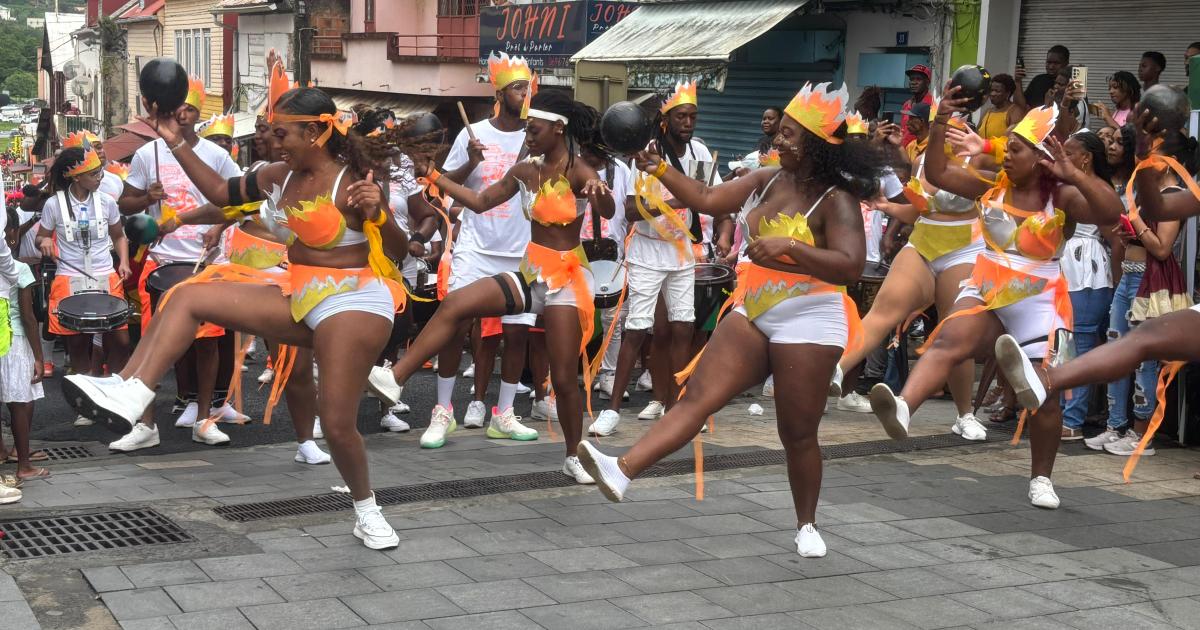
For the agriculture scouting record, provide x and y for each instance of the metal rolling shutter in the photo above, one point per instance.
(1109, 35)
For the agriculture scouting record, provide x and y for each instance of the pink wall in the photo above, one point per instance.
(367, 62)
(409, 17)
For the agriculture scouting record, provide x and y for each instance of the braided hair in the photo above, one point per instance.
(583, 121)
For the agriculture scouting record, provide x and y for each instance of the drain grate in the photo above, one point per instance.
(97, 531)
(61, 453)
(465, 488)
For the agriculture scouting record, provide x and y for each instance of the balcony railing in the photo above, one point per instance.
(328, 46)
(456, 46)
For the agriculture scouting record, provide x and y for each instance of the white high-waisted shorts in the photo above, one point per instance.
(374, 297)
(816, 319)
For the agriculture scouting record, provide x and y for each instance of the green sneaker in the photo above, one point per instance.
(440, 425)
(507, 426)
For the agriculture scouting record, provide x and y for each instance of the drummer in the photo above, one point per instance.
(86, 225)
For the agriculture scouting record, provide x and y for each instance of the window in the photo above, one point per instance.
(193, 50)
(369, 11)
(447, 8)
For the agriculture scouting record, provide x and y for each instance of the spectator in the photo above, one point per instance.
(917, 128)
(1072, 104)
(1152, 65)
(770, 126)
(1034, 95)
(20, 367)
(1002, 113)
(1125, 92)
(1193, 49)
(919, 77)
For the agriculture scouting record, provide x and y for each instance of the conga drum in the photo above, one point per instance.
(714, 284)
(165, 277)
(864, 291)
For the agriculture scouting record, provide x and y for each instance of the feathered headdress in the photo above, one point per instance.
(504, 70)
(195, 93)
(217, 126)
(1036, 126)
(819, 110)
(684, 94)
(90, 161)
(855, 125)
(78, 139)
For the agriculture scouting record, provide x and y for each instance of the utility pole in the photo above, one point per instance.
(303, 45)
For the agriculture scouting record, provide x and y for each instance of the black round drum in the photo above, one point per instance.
(714, 283)
(92, 312)
(164, 278)
(426, 288)
(864, 291)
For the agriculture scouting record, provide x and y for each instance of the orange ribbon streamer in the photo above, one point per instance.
(1165, 376)
(1158, 162)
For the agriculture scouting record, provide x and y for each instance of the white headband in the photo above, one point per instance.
(544, 115)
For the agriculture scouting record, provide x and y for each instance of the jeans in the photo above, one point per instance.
(1091, 311)
(1145, 379)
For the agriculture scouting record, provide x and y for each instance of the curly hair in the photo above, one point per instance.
(1128, 138)
(1129, 83)
(307, 101)
(854, 167)
(1094, 145)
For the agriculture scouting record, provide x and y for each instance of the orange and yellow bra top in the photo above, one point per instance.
(1037, 234)
(553, 204)
(316, 223)
(941, 201)
(781, 225)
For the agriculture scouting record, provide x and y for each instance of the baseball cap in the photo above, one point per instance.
(919, 110)
(920, 69)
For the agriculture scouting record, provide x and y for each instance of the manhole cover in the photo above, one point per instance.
(97, 531)
(463, 488)
(60, 453)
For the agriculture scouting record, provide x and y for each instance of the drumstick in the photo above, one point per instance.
(67, 264)
(713, 172)
(466, 121)
(203, 255)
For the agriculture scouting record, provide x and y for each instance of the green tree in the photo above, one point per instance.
(20, 84)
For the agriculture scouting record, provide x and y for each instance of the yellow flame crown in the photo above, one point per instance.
(90, 161)
(684, 94)
(1037, 124)
(195, 93)
(217, 126)
(79, 138)
(820, 110)
(855, 124)
(770, 158)
(118, 169)
(504, 70)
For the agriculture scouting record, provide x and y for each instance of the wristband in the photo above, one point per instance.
(987, 146)
(418, 237)
(178, 145)
(434, 175)
(661, 169)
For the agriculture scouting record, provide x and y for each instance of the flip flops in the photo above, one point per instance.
(36, 456)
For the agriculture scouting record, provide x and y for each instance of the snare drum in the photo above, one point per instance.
(165, 277)
(864, 291)
(714, 284)
(92, 312)
(426, 288)
(609, 277)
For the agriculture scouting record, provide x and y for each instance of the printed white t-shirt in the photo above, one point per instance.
(74, 246)
(616, 227)
(187, 242)
(646, 248)
(404, 184)
(503, 230)
(112, 184)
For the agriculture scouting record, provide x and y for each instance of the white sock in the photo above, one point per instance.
(445, 391)
(508, 392)
(612, 471)
(365, 505)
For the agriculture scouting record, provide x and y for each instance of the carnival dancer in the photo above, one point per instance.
(86, 226)
(1028, 210)
(939, 256)
(251, 244)
(791, 316)
(338, 296)
(554, 279)
(660, 259)
(1170, 338)
(487, 244)
(158, 184)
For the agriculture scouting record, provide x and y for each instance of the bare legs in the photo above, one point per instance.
(563, 338)
(1169, 338)
(631, 345)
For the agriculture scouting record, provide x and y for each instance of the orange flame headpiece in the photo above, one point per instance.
(90, 161)
(819, 110)
(79, 138)
(855, 125)
(118, 169)
(195, 93)
(1036, 126)
(770, 158)
(278, 85)
(217, 126)
(504, 70)
(684, 94)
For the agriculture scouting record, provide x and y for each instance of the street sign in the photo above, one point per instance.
(547, 34)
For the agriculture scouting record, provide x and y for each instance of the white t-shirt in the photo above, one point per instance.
(403, 185)
(112, 184)
(889, 186)
(187, 242)
(616, 227)
(503, 230)
(77, 246)
(27, 248)
(647, 248)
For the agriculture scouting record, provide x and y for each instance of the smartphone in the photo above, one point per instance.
(889, 117)
(1094, 109)
(1079, 75)
(1020, 61)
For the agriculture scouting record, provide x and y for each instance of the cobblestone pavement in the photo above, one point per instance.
(935, 538)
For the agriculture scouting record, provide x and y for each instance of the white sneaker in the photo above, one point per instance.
(891, 410)
(226, 414)
(522, 388)
(604, 385)
(968, 426)
(653, 411)
(391, 423)
(81, 421)
(9, 495)
(188, 417)
(382, 383)
(835, 383)
(476, 413)
(1128, 444)
(644, 384)
(809, 543)
(441, 424)
(604, 471)
(768, 390)
(854, 402)
(1019, 372)
(1041, 493)
(211, 436)
(119, 404)
(140, 437)
(605, 423)
(374, 530)
(400, 407)
(545, 409)
(268, 375)
(318, 434)
(572, 468)
(507, 426)
(309, 453)
(1097, 443)
(245, 368)
(470, 371)
(252, 348)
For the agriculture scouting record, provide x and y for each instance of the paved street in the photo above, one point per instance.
(930, 538)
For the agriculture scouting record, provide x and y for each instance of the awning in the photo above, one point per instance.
(403, 105)
(692, 31)
(123, 145)
(135, 11)
(140, 128)
(251, 6)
